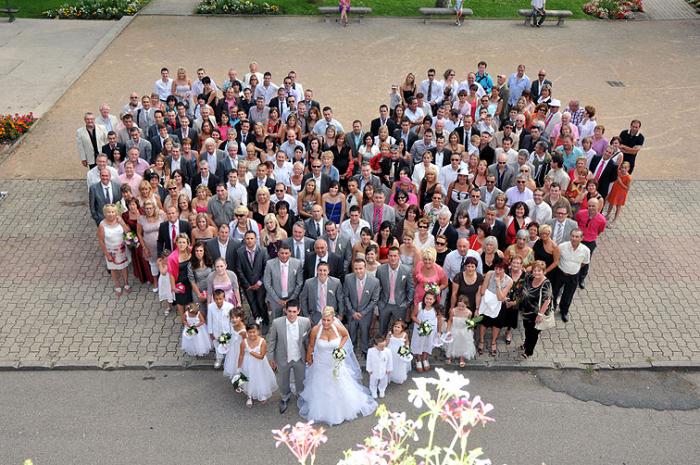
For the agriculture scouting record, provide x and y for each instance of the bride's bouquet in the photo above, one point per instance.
(338, 355)
(223, 341)
(425, 328)
(405, 353)
(131, 240)
(191, 330)
(432, 287)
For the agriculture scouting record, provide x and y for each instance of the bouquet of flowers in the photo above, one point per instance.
(432, 287)
(238, 381)
(405, 353)
(425, 329)
(224, 338)
(338, 355)
(131, 240)
(471, 324)
(191, 330)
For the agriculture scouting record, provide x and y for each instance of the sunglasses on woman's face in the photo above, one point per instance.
(441, 243)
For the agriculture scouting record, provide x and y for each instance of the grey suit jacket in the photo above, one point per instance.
(569, 225)
(388, 214)
(508, 176)
(224, 165)
(343, 249)
(370, 295)
(308, 300)
(144, 148)
(277, 339)
(373, 180)
(464, 207)
(308, 249)
(491, 201)
(98, 199)
(403, 290)
(272, 279)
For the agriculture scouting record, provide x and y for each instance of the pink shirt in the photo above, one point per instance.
(591, 227)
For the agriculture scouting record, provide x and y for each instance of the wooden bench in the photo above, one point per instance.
(360, 11)
(559, 14)
(429, 13)
(11, 12)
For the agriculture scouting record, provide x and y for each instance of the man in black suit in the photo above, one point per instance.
(261, 179)
(466, 131)
(321, 254)
(301, 245)
(383, 120)
(537, 84)
(175, 161)
(185, 131)
(441, 154)
(444, 227)
(404, 132)
(323, 181)
(250, 269)
(159, 117)
(103, 193)
(279, 102)
(486, 152)
(498, 227)
(111, 145)
(529, 141)
(205, 177)
(390, 168)
(245, 135)
(169, 230)
(310, 102)
(315, 226)
(157, 142)
(223, 243)
(604, 171)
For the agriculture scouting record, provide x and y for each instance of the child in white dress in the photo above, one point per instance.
(422, 346)
(379, 366)
(238, 333)
(165, 292)
(252, 362)
(462, 344)
(195, 337)
(397, 339)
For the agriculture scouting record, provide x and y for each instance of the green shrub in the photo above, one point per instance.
(237, 7)
(97, 9)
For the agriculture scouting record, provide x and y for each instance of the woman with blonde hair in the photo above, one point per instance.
(272, 235)
(182, 87)
(202, 230)
(146, 193)
(110, 235)
(427, 274)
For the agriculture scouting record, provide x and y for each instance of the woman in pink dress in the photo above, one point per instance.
(428, 273)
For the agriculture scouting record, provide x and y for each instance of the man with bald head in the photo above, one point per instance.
(322, 255)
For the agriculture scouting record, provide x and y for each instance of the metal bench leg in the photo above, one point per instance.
(560, 21)
(527, 20)
(325, 18)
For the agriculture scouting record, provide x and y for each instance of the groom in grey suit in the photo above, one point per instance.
(361, 293)
(286, 349)
(396, 295)
(277, 293)
(312, 302)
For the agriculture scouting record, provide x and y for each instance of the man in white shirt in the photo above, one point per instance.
(328, 120)
(267, 89)
(282, 168)
(236, 190)
(133, 105)
(507, 148)
(519, 192)
(198, 85)
(471, 80)
(291, 144)
(218, 322)
(93, 175)
(572, 256)
(351, 227)
(414, 113)
(281, 195)
(253, 70)
(163, 86)
(454, 261)
(540, 212)
(431, 89)
(449, 173)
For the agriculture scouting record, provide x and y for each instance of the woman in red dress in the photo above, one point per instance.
(142, 270)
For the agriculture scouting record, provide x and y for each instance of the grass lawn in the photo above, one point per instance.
(481, 8)
(34, 8)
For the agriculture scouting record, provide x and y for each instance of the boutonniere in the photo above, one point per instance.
(366, 291)
(403, 277)
(330, 292)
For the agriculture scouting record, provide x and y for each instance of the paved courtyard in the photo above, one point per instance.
(640, 305)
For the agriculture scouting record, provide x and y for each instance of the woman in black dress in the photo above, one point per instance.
(547, 250)
(467, 283)
(179, 280)
(490, 254)
(537, 296)
(512, 307)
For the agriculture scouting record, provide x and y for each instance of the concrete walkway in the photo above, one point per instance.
(669, 10)
(170, 8)
(40, 59)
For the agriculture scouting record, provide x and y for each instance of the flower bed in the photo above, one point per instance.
(12, 127)
(613, 9)
(237, 7)
(97, 9)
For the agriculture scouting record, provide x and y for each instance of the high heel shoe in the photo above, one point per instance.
(480, 348)
(494, 350)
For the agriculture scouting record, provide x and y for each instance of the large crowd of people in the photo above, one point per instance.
(466, 207)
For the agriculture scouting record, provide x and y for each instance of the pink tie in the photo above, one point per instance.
(284, 279)
(359, 292)
(322, 297)
(392, 286)
(599, 171)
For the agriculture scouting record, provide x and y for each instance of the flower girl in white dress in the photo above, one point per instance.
(331, 393)
(195, 337)
(238, 333)
(398, 338)
(462, 344)
(252, 363)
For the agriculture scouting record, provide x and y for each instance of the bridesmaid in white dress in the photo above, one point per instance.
(331, 394)
(252, 362)
(110, 234)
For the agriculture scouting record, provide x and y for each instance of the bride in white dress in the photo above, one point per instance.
(331, 397)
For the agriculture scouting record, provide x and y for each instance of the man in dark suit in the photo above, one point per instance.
(355, 138)
(175, 161)
(261, 179)
(486, 152)
(205, 177)
(315, 226)
(444, 227)
(103, 193)
(466, 131)
(604, 171)
(157, 142)
(383, 120)
(170, 229)
(186, 132)
(250, 268)
(338, 244)
(498, 227)
(441, 154)
(404, 132)
(111, 145)
(323, 181)
(301, 245)
(223, 243)
(529, 141)
(279, 102)
(310, 102)
(321, 254)
(504, 174)
(537, 84)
